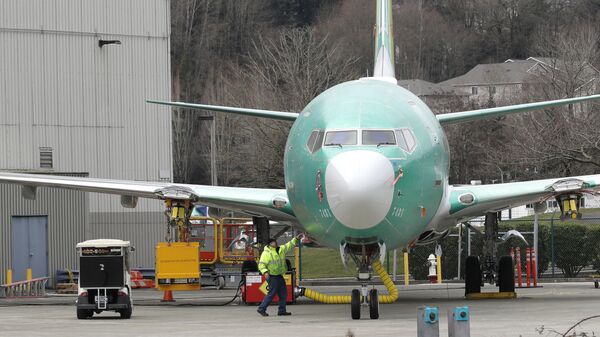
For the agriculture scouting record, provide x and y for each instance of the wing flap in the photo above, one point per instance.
(467, 201)
(468, 116)
(272, 203)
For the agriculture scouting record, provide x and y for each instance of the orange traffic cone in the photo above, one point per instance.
(168, 296)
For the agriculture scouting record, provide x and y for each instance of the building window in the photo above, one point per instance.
(473, 90)
(492, 90)
(46, 157)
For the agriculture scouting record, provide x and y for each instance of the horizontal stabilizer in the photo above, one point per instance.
(468, 116)
(289, 116)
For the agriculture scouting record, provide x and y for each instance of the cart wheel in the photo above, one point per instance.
(83, 313)
(355, 304)
(596, 284)
(126, 313)
(220, 282)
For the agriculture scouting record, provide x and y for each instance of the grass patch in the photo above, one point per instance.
(326, 262)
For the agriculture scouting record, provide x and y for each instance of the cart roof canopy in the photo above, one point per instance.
(103, 243)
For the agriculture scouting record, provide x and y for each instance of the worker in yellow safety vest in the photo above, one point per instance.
(273, 266)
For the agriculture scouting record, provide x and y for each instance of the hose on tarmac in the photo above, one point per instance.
(387, 281)
(347, 299)
(328, 299)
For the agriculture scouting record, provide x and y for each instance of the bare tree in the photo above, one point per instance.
(565, 139)
(205, 36)
(284, 72)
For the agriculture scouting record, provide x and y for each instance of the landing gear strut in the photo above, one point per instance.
(490, 248)
(489, 269)
(366, 258)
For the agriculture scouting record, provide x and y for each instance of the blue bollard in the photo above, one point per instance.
(458, 322)
(428, 322)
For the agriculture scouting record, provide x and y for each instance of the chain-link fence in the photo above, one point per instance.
(566, 249)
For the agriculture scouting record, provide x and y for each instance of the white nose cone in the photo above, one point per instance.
(359, 188)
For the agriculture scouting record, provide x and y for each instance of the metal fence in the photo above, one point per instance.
(566, 249)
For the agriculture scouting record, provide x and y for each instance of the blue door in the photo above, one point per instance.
(29, 246)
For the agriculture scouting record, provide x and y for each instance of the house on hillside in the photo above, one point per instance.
(438, 97)
(499, 83)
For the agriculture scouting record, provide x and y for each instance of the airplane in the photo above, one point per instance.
(366, 169)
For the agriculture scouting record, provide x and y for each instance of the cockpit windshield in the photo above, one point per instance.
(402, 138)
(340, 138)
(378, 137)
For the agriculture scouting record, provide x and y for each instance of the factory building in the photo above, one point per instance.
(74, 77)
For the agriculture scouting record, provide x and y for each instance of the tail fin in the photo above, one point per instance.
(384, 41)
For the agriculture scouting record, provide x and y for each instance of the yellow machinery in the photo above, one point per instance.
(177, 266)
(569, 206)
(178, 263)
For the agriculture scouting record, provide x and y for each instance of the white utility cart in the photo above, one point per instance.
(104, 280)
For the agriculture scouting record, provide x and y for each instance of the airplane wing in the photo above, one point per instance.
(468, 116)
(283, 115)
(272, 203)
(469, 201)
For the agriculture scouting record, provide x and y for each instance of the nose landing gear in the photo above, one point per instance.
(370, 297)
(359, 300)
(363, 297)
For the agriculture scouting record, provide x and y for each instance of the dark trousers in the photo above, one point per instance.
(276, 286)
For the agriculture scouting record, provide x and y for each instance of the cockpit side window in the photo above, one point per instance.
(340, 138)
(315, 141)
(406, 140)
(310, 144)
(319, 141)
(378, 137)
(411, 143)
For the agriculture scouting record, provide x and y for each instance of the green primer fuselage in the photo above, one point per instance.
(358, 105)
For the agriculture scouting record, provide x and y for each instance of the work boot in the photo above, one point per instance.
(262, 313)
(284, 314)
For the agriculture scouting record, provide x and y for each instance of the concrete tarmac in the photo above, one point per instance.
(547, 311)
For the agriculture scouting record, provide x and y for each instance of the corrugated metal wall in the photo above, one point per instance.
(59, 89)
(68, 216)
(69, 222)
(144, 230)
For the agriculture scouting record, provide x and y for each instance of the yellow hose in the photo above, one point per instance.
(387, 281)
(346, 299)
(328, 299)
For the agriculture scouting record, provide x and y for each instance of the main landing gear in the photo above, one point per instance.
(490, 269)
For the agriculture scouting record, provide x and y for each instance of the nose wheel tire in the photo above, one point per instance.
(373, 304)
(355, 304)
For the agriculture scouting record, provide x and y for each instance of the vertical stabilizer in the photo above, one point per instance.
(384, 41)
